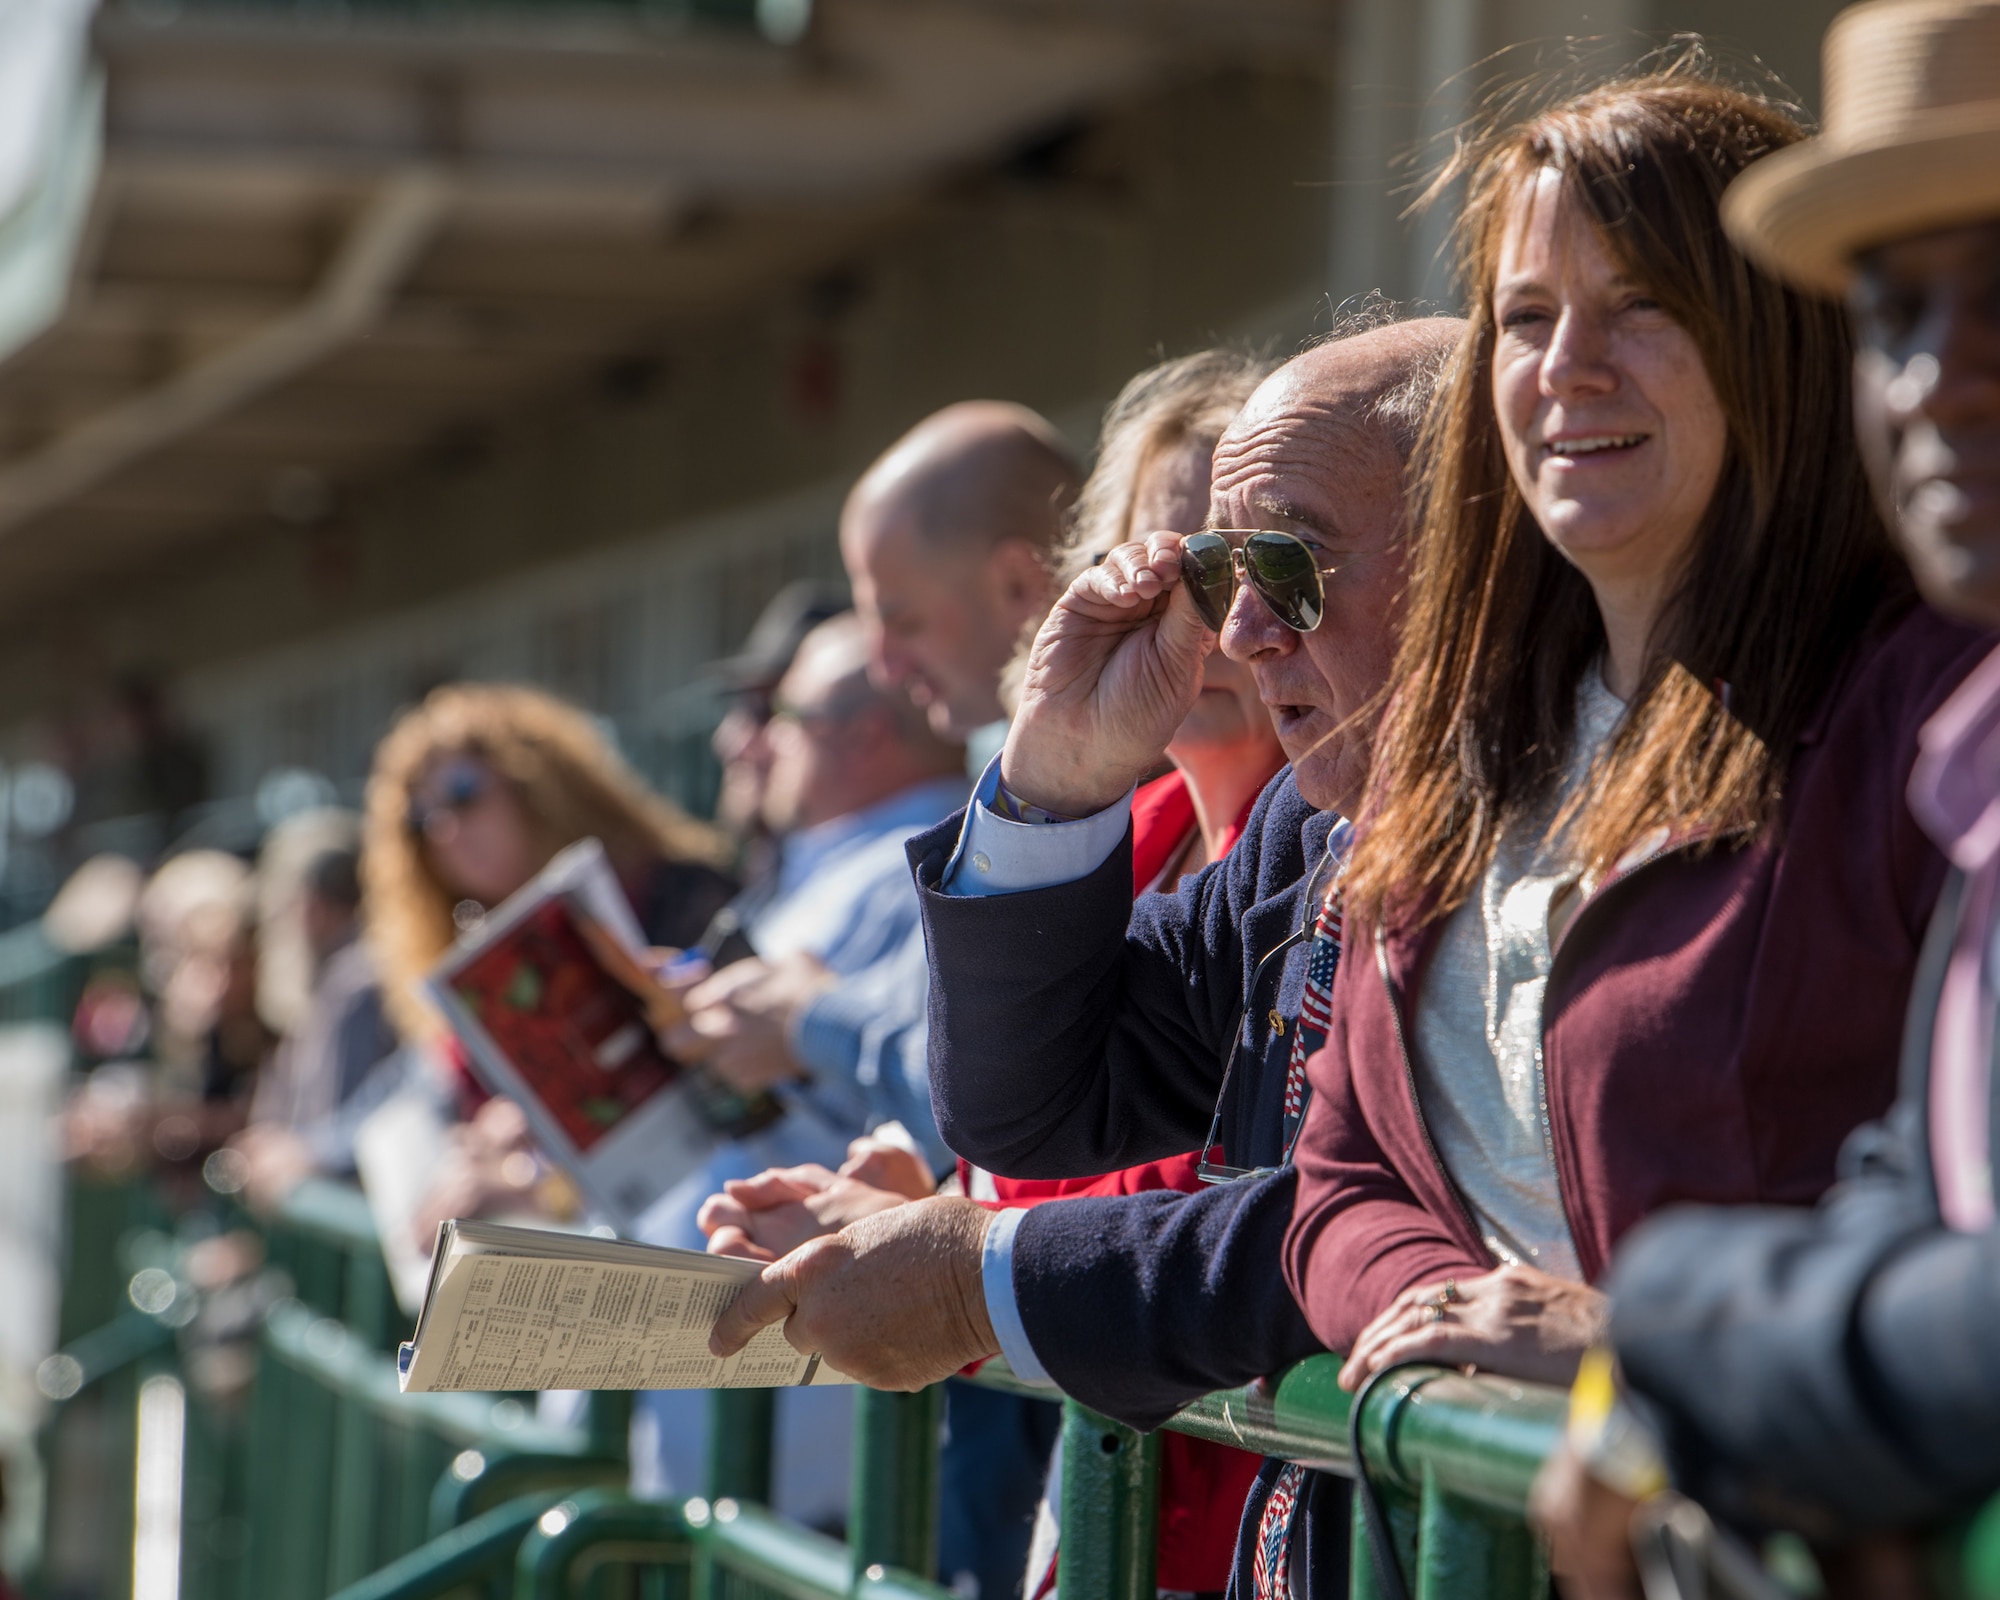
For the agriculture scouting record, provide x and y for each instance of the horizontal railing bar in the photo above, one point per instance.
(761, 1545)
(331, 1213)
(329, 1352)
(447, 1562)
(1304, 1420)
(1479, 1437)
(127, 1338)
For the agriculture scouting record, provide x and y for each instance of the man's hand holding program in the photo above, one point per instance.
(1111, 675)
(895, 1300)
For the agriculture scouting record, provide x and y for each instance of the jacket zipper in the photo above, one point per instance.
(1660, 852)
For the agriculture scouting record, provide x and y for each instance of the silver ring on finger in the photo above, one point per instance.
(1433, 1311)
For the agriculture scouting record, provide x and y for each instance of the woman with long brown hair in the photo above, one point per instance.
(1635, 903)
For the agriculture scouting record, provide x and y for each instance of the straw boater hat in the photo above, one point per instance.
(1911, 143)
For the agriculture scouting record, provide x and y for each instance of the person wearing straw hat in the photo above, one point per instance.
(1836, 1371)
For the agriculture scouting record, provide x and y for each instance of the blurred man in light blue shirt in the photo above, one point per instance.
(821, 1015)
(853, 771)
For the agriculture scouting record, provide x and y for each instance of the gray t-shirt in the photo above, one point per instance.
(1478, 1057)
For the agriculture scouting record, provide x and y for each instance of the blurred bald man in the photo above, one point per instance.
(947, 540)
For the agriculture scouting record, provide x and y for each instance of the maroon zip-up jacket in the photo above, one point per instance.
(1715, 1023)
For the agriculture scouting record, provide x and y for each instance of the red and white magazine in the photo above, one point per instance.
(546, 995)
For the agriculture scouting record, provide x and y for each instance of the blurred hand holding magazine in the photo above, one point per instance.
(554, 1000)
(523, 1308)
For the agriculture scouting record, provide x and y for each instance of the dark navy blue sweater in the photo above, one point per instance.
(1074, 1031)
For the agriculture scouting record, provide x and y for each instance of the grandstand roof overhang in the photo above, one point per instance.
(270, 250)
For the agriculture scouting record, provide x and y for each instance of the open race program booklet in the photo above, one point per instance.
(551, 997)
(522, 1308)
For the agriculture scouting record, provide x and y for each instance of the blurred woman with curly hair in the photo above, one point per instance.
(474, 792)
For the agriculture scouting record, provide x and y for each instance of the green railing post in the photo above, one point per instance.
(1401, 1511)
(598, 1527)
(351, 1534)
(449, 1564)
(740, 1431)
(894, 1520)
(476, 1481)
(1465, 1552)
(1110, 1509)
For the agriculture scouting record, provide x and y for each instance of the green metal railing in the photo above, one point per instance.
(344, 1484)
(329, 1479)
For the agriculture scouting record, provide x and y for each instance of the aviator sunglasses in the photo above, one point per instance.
(1279, 566)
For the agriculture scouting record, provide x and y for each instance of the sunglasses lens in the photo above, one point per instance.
(1285, 574)
(1210, 576)
(459, 786)
(462, 786)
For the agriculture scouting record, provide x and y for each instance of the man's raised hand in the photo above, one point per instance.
(894, 1300)
(1110, 676)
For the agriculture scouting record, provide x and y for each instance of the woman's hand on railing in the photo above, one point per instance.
(1517, 1321)
(895, 1300)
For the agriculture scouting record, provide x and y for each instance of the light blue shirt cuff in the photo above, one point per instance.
(996, 1273)
(996, 856)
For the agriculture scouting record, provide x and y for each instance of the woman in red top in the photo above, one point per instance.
(1152, 472)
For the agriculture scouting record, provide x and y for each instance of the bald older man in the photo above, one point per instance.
(1065, 1040)
(946, 540)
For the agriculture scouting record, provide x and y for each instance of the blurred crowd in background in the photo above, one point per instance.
(1546, 656)
(254, 1015)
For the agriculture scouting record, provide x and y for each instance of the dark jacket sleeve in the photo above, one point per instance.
(1139, 1304)
(1073, 1032)
(1833, 1369)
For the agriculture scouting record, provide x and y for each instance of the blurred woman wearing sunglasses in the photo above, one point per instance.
(1642, 894)
(473, 792)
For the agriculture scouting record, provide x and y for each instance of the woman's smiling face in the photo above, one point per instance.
(1613, 430)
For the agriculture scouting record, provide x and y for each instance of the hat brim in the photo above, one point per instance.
(1805, 213)
(741, 674)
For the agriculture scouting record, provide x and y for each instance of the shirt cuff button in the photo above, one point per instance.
(980, 863)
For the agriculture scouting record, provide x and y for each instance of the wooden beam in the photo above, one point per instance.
(378, 251)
